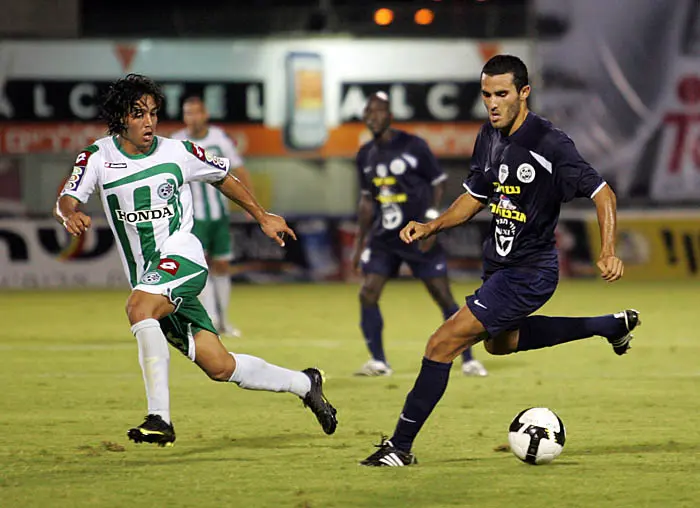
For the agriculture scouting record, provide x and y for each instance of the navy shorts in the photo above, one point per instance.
(386, 260)
(509, 295)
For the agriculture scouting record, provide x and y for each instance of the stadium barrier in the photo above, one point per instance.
(655, 245)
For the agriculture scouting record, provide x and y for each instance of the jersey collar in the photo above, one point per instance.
(139, 156)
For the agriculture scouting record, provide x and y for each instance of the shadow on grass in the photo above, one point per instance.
(667, 447)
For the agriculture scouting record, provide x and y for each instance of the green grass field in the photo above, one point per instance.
(71, 386)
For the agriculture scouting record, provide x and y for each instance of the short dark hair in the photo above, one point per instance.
(379, 96)
(122, 96)
(505, 64)
(193, 99)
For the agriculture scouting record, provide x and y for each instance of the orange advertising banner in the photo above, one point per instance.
(253, 140)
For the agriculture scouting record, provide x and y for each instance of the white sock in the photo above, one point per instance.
(222, 290)
(208, 299)
(253, 373)
(154, 358)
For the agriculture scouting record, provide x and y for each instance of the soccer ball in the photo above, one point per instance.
(536, 435)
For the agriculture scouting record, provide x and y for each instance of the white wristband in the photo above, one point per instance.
(431, 214)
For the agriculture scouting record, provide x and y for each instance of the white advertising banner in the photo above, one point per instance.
(40, 254)
(276, 97)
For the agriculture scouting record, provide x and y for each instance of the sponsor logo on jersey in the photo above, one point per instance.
(208, 157)
(506, 189)
(74, 178)
(139, 216)
(169, 265)
(115, 165)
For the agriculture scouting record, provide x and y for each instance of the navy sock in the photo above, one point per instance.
(372, 325)
(542, 331)
(427, 392)
(447, 314)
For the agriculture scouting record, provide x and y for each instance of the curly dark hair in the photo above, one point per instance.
(121, 98)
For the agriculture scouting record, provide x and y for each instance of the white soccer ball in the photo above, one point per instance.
(537, 435)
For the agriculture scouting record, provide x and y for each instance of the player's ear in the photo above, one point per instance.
(525, 92)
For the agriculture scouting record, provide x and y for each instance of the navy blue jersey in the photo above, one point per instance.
(399, 175)
(523, 179)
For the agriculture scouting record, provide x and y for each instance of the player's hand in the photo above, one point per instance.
(356, 258)
(276, 228)
(415, 231)
(611, 268)
(77, 223)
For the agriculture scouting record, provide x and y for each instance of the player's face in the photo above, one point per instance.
(377, 117)
(141, 123)
(503, 102)
(195, 116)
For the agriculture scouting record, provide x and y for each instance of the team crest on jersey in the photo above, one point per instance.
(165, 190)
(381, 170)
(502, 173)
(151, 278)
(398, 166)
(526, 173)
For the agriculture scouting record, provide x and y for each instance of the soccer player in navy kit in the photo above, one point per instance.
(400, 181)
(522, 170)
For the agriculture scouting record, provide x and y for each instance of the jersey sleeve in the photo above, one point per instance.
(202, 166)
(477, 183)
(428, 165)
(231, 152)
(82, 181)
(360, 163)
(573, 176)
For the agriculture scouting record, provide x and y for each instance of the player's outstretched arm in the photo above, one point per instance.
(611, 267)
(66, 212)
(272, 225)
(461, 210)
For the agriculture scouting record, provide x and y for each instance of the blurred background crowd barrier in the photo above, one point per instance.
(288, 81)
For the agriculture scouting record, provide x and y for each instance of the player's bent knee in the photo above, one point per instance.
(369, 295)
(141, 305)
(219, 267)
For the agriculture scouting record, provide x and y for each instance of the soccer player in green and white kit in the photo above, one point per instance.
(143, 183)
(211, 217)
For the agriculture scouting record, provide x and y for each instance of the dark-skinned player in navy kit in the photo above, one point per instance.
(400, 181)
(523, 168)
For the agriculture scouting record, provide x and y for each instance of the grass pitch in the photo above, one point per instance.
(71, 387)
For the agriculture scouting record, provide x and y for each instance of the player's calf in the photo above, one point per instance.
(504, 344)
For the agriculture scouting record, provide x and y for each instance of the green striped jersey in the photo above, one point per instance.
(146, 198)
(208, 203)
